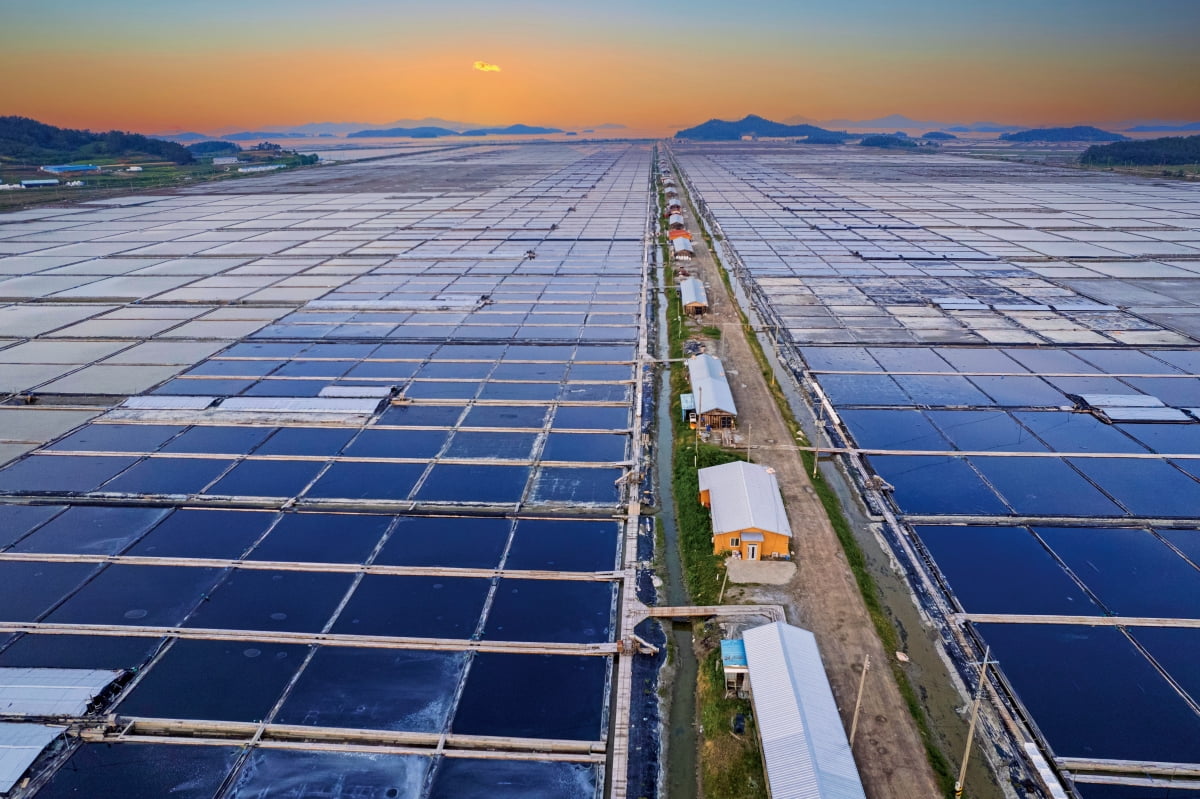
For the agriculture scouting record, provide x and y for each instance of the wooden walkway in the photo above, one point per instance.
(1135, 767)
(772, 612)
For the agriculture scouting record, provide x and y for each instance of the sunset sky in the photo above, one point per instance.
(159, 65)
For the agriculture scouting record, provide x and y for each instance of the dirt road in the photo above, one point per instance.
(823, 596)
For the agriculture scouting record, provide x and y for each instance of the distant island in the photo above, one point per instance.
(1077, 133)
(260, 135)
(432, 132)
(1169, 151)
(757, 127)
(887, 141)
(27, 140)
(210, 149)
(1188, 126)
(939, 135)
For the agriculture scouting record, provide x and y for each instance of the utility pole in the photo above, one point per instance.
(962, 772)
(862, 683)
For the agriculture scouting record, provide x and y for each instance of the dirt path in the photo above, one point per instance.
(823, 596)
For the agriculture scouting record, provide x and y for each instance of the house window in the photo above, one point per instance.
(735, 542)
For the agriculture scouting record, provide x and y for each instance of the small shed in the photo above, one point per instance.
(687, 408)
(679, 234)
(806, 754)
(675, 222)
(748, 517)
(695, 299)
(733, 663)
(39, 183)
(714, 400)
(674, 205)
(681, 248)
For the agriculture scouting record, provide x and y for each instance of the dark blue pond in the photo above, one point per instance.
(367, 481)
(272, 600)
(941, 390)
(1146, 488)
(168, 476)
(307, 441)
(17, 520)
(985, 431)
(1131, 571)
(1017, 391)
(446, 541)
(461, 482)
(421, 607)
(460, 778)
(506, 416)
(79, 652)
(863, 390)
(582, 447)
(282, 774)
(397, 444)
(1122, 710)
(266, 479)
(568, 702)
(193, 533)
(233, 440)
(557, 545)
(421, 415)
(937, 485)
(564, 485)
(1044, 487)
(1077, 432)
(510, 446)
(1021, 576)
(92, 530)
(27, 590)
(156, 596)
(322, 538)
(391, 690)
(118, 438)
(1177, 651)
(104, 771)
(579, 417)
(220, 680)
(550, 610)
(47, 474)
(909, 429)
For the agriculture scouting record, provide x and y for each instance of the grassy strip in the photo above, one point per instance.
(942, 768)
(732, 764)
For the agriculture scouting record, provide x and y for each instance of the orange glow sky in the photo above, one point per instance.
(160, 66)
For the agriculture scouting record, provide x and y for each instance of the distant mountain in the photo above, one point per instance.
(1172, 151)
(512, 130)
(28, 140)
(981, 127)
(428, 132)
(182, 137)
(257, 135)
(1077, 133)
(891, 122)
(345, 128)
(609, 126)
(1189, 126)
(722, 130)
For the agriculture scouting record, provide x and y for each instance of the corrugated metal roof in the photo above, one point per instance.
(733, 654)
(692, 290)
(682, 245)
(300, 405)
(168, 402)
(20, 744)
(805, 750)
(707, 377)
(1122, 400)
(744, 495)
(50, 692)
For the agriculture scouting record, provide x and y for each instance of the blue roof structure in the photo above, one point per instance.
(733, 654)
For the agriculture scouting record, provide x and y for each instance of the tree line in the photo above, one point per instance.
(28, 140)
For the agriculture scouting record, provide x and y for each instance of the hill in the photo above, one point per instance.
(723, 130)
(511, 130)
(1170, 151)
(28, 140)
(425, 132)
(939, 135)
(887, 141)
(1077, 133)
(214, 148)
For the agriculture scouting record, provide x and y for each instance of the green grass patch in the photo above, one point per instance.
(712, 332)
(732, 764)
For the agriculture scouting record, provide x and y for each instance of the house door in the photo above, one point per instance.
(751, 551)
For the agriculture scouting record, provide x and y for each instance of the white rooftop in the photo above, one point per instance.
(709, 384)
(744, 495)
(20, 744)
(805, 750)
(50, 692)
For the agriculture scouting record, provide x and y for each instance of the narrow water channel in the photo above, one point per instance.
(682, 769)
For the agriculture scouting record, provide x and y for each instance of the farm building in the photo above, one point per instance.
(679, 234)
(675, 221)
(748, 517)
(691, 292)
(681, 247)
(35, 184)
(806, 754)
(674, 205)
(714, 400)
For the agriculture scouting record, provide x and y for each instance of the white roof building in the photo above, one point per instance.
(805, 750)
(744, 496)
(682, 246)
(709, 384)
(692, 292)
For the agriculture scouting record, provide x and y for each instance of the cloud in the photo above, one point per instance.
(483, 66)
